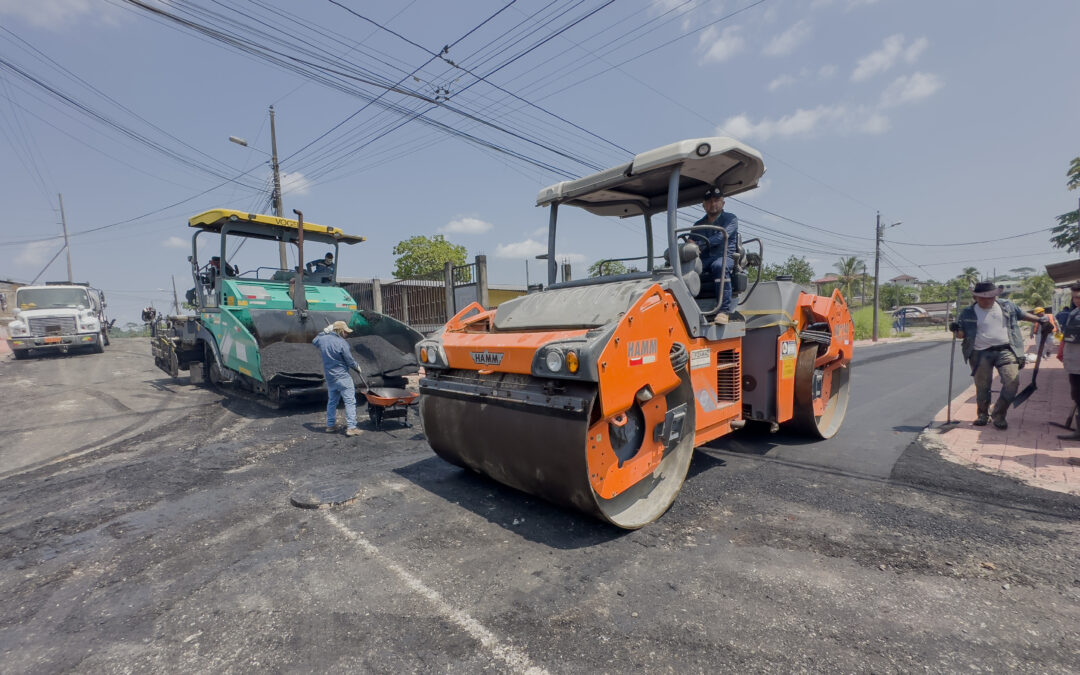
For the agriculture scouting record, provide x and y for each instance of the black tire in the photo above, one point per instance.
(22, 354)
(97, 348)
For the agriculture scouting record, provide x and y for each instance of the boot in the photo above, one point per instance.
(998, 414)
(720, 319)
(983, 417)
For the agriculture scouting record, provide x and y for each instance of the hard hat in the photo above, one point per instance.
(341, 327)
(1038, 310)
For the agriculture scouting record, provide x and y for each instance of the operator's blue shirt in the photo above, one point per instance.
(730, 223)
(336, 356)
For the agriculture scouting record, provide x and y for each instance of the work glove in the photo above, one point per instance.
(954, 327)
(329, 328)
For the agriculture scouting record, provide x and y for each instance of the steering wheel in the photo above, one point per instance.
(701, 240)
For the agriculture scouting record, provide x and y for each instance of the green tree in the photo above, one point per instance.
(1064, 235)
(420, 255)
(1023, 272)
(850, 270)
(894, 295)
(1037, 291)
(970, 276)
(933, 291)
(801, 272)
(606, 268)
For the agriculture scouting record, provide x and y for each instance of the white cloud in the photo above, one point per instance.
(910, 88)
(530, 248)
(788, 41)
(782, 81)
(520, 249)
(466, 226)
(892, 50)
(53, 14)
(876, 123)
(826, 71)
(176, 242)
(37, 253)
(804, 123)
(720, 47)
(294, 183)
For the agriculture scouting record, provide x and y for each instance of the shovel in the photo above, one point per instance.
(1030, 389)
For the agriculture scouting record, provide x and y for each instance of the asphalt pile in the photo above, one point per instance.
(291, 358)
(375, 356)
(378, 357)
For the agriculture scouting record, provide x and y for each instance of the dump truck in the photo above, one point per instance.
(58, 316)
(252, 328)
(593, 393)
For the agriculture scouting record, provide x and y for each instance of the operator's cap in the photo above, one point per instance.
(341, 327)
(713, 192)
(329, 255)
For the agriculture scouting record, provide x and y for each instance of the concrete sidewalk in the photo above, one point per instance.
(1029, 449)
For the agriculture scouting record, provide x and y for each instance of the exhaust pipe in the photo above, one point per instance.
(299, 297)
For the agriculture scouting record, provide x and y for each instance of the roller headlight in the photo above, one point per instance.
(572, 362)
(18, 329)
(553, 360)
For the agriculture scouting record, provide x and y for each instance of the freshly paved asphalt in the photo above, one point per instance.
(896, 388)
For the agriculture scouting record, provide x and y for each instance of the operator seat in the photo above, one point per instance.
(690, 262)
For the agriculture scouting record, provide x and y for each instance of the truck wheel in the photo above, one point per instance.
(22, 354)
(97, 348)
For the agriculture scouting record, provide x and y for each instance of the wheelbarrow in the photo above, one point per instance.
(387, 402)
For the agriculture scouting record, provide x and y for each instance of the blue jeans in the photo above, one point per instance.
(341, 389)
(720, 271)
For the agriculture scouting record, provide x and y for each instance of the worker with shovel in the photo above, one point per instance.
(991, 339)
(337, 360)
(1069, 323)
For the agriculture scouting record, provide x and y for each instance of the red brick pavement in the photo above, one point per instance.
(1029, 449)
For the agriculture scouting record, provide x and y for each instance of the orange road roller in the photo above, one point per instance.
(593, 393)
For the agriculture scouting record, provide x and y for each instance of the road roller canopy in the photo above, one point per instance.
(641, 186)
(267, 227)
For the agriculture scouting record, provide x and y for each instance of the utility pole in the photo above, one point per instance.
(175, 300)
(877, 271)
(67, 249)
(279, 208)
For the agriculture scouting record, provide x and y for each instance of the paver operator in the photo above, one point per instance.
(337, 360)
(992, 339)
(713, 259)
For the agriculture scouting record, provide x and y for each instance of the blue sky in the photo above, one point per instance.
(956, 118)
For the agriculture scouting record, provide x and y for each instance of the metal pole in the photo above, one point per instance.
(552, 264)
(952, 358)
(877, 271)
(279, 206)
(67, 249)
(175, 299)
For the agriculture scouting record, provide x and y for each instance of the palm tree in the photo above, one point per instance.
(969, 276)
(849, 269)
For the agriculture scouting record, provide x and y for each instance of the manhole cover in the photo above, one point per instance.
(324, 495)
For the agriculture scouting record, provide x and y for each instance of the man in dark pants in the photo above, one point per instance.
(992, 339)
(1069, 321)
(337, 360)
(713, 259)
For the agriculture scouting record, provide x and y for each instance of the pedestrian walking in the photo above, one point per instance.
(1069, 354)
(991, 339)
(337, 361)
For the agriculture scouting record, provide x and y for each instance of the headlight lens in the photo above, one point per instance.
(423, 355)
(553, 360)
(18, 328)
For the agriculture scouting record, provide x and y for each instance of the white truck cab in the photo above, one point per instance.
(58, 316)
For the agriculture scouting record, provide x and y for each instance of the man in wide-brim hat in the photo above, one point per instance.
(992, 339)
